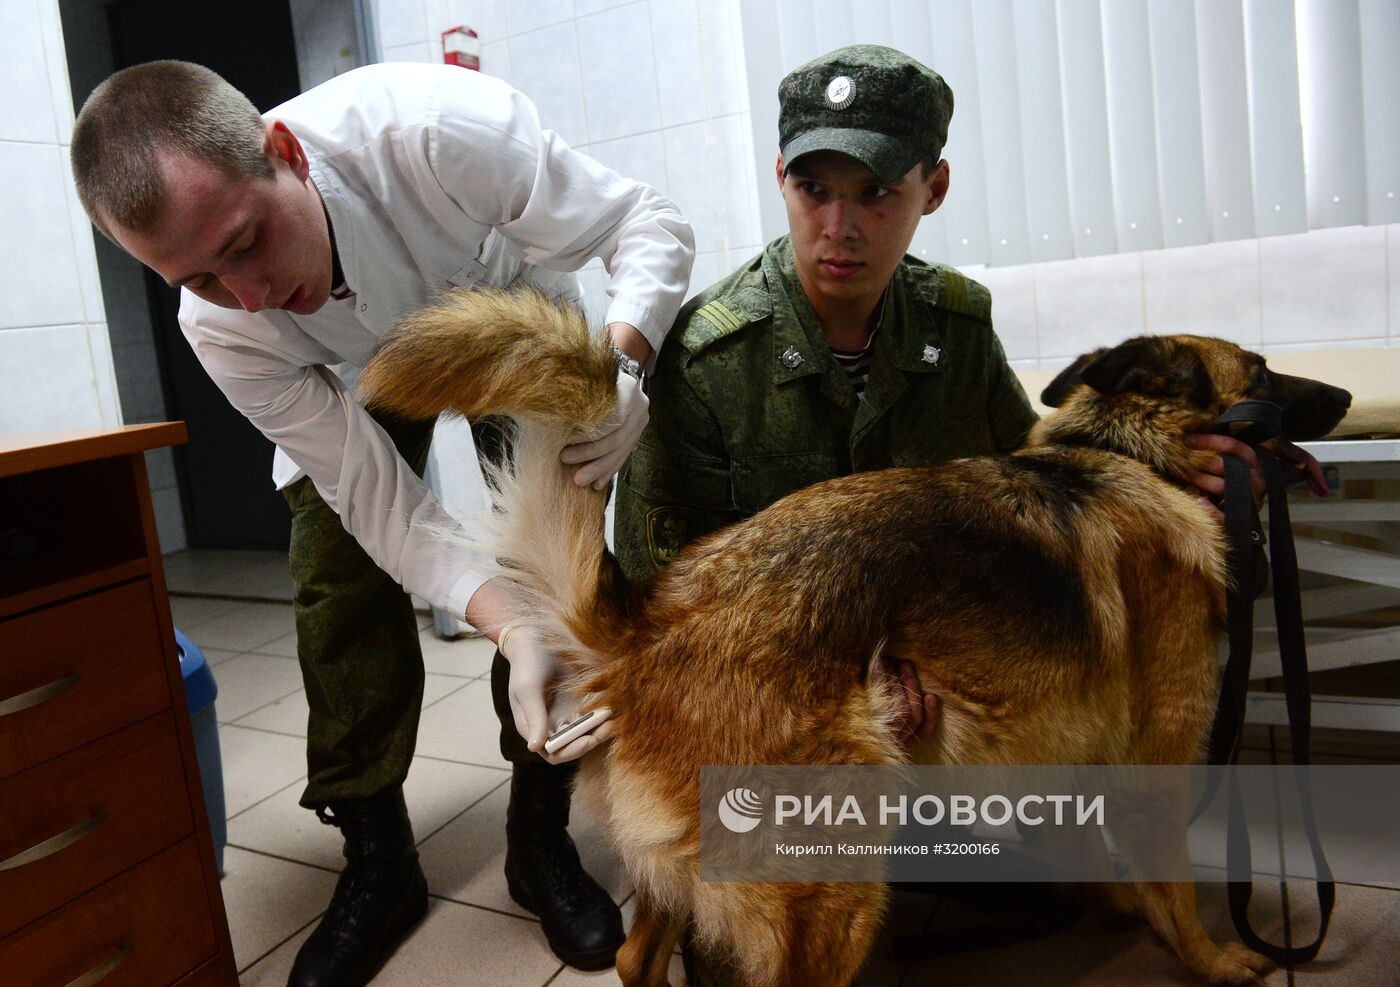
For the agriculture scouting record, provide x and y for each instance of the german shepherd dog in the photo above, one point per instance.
(1063, 602)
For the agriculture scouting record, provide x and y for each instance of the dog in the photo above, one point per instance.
(1064, 602)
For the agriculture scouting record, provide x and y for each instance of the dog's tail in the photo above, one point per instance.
(516, 353)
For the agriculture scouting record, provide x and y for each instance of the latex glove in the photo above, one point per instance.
(534, 670)
(603, 450)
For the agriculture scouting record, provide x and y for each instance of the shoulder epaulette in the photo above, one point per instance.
(711, 322)
(961, 294)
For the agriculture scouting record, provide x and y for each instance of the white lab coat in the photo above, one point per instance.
(433, 176)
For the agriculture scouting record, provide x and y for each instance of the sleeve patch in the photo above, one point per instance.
(669, 529)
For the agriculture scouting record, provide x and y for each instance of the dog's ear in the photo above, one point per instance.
(1119, 370)
(1067, 380)
(1163, 366)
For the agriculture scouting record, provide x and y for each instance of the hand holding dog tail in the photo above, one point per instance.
(494, 352)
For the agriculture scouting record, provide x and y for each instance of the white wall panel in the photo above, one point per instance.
(1225, 119)
(1329, 77)
(1380, 97)
(964, 213)
(1275, 125)
(1043, 131)
(998, 88)
(619, 75)
(27, 110)
(1132, 131)
(1177, 103)
(1086, 127)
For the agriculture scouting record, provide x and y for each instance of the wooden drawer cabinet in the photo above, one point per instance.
(95, 664)
(149, 925)
(107, 868)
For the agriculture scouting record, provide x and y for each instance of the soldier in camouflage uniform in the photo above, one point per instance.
(748, 402)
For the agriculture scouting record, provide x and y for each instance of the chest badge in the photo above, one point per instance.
(931, 355)
(840, 91)
(790, 358)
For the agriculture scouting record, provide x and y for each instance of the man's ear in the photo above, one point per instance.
(937, 184)
(281, 143)
(778, 168)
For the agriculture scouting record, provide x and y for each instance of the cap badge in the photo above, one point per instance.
(790, 358)
(840, 91)
(931, 355)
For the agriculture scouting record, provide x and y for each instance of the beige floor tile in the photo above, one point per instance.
(268, 900)
(217, 656)
(455, 946)
(1362, 948)
(463, 727)
(246, 628)
(569, 977)
(466, 656)
(189, 612)
(436, 791)
(257, 764)
(285, 646)
(249, 682)
(288, 714)
(465, 860)
(230, 572)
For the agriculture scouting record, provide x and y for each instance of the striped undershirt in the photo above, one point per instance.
(857, 365)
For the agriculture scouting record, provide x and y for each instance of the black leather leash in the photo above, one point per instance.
(1257, 422)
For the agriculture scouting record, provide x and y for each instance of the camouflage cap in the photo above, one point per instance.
(878, 105)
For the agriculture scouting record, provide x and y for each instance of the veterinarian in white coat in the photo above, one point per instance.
(300, 239)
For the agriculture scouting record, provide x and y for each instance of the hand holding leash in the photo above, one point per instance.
(534, 671)
(603, 450)
(1210, 480)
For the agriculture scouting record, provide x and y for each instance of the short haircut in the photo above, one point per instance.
(170, 106)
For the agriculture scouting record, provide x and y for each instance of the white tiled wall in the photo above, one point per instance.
(55, 359)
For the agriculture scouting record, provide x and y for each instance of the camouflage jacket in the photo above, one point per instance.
(748, 404)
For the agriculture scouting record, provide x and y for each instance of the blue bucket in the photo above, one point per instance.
(200, 693)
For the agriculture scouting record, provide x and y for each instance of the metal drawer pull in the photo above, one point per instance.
(100, 972)
(54, 843)
(36, 696)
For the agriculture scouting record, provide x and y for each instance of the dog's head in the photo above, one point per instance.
(1198, 378)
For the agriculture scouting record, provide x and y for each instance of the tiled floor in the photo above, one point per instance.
(281, 863)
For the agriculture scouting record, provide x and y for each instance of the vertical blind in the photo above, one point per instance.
(1087, 127)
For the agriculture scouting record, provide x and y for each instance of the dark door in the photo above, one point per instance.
(225, 470)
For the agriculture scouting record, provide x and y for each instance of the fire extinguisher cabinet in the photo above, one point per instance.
(461, 46)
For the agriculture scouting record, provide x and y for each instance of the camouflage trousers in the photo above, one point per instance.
(357, 641)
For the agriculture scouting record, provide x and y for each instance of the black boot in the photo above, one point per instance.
(544, 874)
(381, 894)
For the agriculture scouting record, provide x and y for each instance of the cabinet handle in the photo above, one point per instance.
(36, 696)
(54, 843)
(100, 971)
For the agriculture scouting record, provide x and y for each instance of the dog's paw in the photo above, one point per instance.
(1236, 963)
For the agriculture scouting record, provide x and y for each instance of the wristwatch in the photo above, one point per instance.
(629, 366)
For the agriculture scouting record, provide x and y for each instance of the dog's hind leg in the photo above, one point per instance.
(645, 958)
